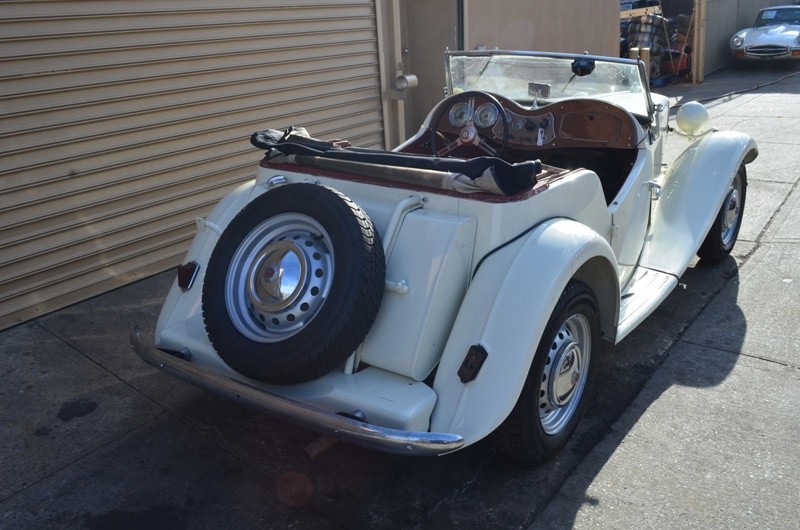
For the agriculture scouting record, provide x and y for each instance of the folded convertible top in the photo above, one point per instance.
(467, 175)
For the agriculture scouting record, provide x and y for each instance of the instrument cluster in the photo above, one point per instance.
(523, 130)
(484, 116)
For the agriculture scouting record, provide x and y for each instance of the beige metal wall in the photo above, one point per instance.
(122, 121)
(565, 26)
(425, 39)
(571, 26)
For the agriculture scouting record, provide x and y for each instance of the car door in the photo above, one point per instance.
(630, 213)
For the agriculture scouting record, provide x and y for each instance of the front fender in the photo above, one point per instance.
(693, 192)
(505, 311)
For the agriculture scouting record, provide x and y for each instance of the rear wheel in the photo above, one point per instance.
(559, 381)
(723, 233)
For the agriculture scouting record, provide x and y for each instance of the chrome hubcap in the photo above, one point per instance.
(563, 379)
(279, 277)
(276, 276)
(566, 374)
(732, 210)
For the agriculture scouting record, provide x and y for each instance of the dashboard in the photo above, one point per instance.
(529, 130)
(578, 122)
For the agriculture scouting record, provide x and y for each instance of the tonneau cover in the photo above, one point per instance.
(485, 173)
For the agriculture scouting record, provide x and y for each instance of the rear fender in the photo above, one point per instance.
(505, 311)
(183, 305)
(693, 191)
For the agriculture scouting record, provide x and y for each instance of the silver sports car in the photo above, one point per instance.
(775, 35)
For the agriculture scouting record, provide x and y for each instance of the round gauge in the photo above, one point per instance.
(486, 115)
(460, 114)
(517, 125)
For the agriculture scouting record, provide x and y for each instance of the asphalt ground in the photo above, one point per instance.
(694, 421)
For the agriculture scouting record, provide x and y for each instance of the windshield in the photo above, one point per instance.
(536, 80)
(767, 17)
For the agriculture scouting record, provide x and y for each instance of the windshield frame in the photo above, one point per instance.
(449, 54)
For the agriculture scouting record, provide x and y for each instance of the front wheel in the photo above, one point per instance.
(723, 233)
(559, 381)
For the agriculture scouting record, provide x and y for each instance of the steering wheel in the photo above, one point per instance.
(471, 126)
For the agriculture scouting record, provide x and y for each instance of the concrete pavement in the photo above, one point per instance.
(695, 420)
(712, 440)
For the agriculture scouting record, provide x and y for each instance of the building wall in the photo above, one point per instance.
(122, 121)
(571, 26)
(565, 26)
(429, 29)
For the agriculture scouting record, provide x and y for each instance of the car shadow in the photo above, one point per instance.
(477, 487)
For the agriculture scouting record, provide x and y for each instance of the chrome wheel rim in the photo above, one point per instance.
(279, 277)
(565, 372)
(731, 212)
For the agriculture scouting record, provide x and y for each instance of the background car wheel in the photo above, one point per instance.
(294, 284)
(723, 233)
(559, 381)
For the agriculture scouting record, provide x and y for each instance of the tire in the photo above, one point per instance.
(724, 231)
(293, 285)
(559, 382)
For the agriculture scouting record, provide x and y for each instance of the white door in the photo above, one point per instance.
(630, 212)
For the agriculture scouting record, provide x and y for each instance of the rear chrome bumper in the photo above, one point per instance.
(353, 431)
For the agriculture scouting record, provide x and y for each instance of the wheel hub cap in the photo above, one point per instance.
(279, 278)
(284, 286)
(565, 375)
(730, 218)
(563, 378)
(732, 211)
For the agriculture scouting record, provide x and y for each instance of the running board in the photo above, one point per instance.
(645, 292)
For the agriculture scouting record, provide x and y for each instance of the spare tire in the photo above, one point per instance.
(294, 284)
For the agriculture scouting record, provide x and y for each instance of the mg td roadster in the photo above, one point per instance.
(416, 300)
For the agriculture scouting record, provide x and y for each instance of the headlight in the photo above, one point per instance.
(692, 118)
(737, 41)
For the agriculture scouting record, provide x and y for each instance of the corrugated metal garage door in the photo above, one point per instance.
(121, 121)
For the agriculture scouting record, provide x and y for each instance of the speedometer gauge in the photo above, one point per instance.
(460, 114)
(486, 115)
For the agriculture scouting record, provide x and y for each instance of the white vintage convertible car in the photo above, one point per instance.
(416, 300)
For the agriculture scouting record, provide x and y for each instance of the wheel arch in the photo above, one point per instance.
(525, 278)
(601, 277)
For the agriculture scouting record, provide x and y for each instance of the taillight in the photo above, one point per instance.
(186, 275)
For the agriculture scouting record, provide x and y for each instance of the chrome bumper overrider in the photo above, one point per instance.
(353, 431)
